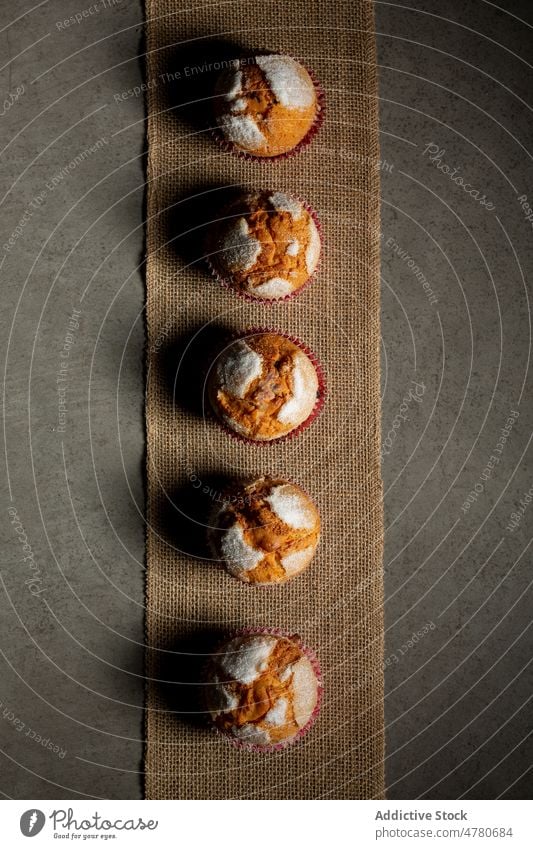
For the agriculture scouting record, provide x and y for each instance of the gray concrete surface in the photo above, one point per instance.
(456, 346)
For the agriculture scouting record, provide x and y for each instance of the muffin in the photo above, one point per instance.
(267, 107)
(266, 531)
(266, 245)
(264, 386)
(263, 689)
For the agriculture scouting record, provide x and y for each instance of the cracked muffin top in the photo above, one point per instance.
(266, 245)
(263, 689)
(263, 386)
(266, 532)
(266, 107)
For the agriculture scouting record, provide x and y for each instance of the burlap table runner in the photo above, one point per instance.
(337, 606)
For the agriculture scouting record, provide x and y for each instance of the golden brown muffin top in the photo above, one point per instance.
(266, 245)
(266, 108)
(264, 688)
(263, 386)
(267, 531)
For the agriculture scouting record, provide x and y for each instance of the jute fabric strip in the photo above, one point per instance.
(336, 607)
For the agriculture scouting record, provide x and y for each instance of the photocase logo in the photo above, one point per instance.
(32, 822)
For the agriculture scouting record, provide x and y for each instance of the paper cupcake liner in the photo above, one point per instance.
(311, 656)
(247, 296)
(236, 486)
(319, 403)
(229, 147)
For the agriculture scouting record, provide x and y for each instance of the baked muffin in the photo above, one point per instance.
(266, 245)
(266, 532)
(264, 386)
(266, 107)
(264, 689)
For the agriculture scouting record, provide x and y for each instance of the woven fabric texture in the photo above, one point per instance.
(336, 606)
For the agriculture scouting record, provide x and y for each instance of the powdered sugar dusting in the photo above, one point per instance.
(233, 79)
(277, 714)
(235, 425)
(242, 130)
(312, 253)
(292, 507)
(238, 249)
(252, 734)
(238, 105)
(222, 699)
(286, 203)
(305, 691)
(286, 674)
(293, 247)
(238, 367)
(238, 555)
(276, 287)
(298, 560)
(245, 661)
(290, 83)
(304, 388)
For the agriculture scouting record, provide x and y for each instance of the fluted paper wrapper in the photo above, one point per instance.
(311, 657)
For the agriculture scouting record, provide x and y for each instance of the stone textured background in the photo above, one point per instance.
(455, 368)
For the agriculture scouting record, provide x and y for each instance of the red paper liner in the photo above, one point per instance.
(311, 656)
(322, 389)
(229, 147)
(240, 483)
(228, 284)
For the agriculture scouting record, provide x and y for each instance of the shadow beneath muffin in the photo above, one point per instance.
(190, 70)
(184, 514)
(186, 224)
(185, 362)
(179, 675)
